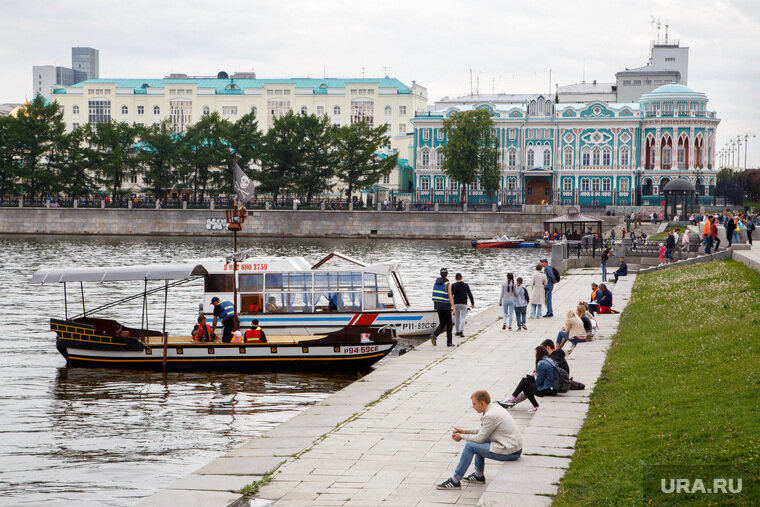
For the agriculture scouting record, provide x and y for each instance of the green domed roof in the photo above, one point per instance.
(673, 91)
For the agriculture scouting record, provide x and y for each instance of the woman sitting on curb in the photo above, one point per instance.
(537, 384)
(574, 329)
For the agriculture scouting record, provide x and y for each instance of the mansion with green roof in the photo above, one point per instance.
(595, 153)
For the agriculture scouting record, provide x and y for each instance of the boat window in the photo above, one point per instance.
(300, 282)
(325, 281)
(338, 302)
(251, 283)
(284, 302)
(326, 302)
(376, 290)
(349, 280)
(370, 300)
(274, 281)
(370, 281)
(218, 283)
(251, 303)
(350, 301)
(382, 283)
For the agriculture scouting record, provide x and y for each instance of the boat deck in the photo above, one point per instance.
(187, 340)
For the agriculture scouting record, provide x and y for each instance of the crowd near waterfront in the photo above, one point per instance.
(96, 436)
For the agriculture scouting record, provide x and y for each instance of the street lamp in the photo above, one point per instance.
(747, 135)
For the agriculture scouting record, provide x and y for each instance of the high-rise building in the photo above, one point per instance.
(86, 60)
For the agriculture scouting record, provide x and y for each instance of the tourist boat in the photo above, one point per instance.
(503, 241)
(90, 341)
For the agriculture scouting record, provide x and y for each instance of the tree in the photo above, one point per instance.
(115, 154)
(471, 150)
(8, 163)
(281, 155)
(37, 129)
(74, 162)
(244, 141)
(318, 156)
(356, 148)
(158, 153)
(202, 148)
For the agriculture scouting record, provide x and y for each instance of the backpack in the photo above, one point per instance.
(556, 274)
(561, 382)
(576, 386)
(527, 296)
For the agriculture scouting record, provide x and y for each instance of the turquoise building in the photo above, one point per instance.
(589, 154)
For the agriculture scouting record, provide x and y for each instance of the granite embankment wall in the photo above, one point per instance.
(278, 223)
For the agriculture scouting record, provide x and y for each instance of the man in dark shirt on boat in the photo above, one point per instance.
(224, 311)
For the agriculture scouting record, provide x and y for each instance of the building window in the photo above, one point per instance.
(438, 159)
(439, 134)
(386, 179)
(666, 157)
(336, 111)
(453, 185)
(623, 185)
(512, 133)
(206, 110)
(270, 92)
(229, 110)
(425, 155)
(181, 113)
(512, 158)
(595, 185)
(511, 184)
(667, 108)
(681, 109)
(425, 134)
(606, 185)
(439, 184)
(140, 110)
(584, 184)
(626, 82)
(74, 126)
(681, 157)
(402, 110)
(528, 133)
(388, 110)
(567, 185)
(568, 162)
(156, 110)
(75, 110)
(595, 159)
(100, 111)
(425, 184)
(530, 157)
(625, 157)
(304, 110)
(606, 157)
(637, 82)
(547, 158)
(276, 108)
(124, 110)
(402, 128)
(363, 110)
(586, 158)
(320, 110)
(133, 177)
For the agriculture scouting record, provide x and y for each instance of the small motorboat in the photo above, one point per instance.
(502, 241)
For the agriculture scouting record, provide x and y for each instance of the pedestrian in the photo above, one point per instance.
(507, 299)
(522, 298)
(460, 291)
(685, 241)
(498, 438)
(551, 279)
(730, 226)
(670, 245)
(612, 235)
(661, 258)
(443, 302)
(537, 292)
(750, 228)
(714, 234)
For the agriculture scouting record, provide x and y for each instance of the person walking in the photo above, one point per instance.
(730, 226)
(605, 258)
(550, 281)
(715, 239)
(460, 291)
(670, 245)
(521, 304)
(443, 302)
(507, 299)
(750, 228)
(537, 292)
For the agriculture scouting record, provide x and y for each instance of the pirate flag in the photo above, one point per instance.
(244, 186)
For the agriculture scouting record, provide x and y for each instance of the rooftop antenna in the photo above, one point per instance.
(470, 80)
(658, 30)
(666, 34)
(364, 71)
(477, 85)
(385, 70)
(550, 80)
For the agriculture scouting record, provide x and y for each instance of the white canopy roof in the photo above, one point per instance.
(119, 273)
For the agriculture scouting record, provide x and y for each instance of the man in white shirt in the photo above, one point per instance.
(498, 438)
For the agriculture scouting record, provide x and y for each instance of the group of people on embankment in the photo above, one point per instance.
(498, 437)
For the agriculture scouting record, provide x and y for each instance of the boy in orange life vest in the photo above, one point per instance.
(255, 334)
(202, 331)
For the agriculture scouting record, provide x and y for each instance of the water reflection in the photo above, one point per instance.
(110, 437)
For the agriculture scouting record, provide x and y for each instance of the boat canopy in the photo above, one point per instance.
(119, 273)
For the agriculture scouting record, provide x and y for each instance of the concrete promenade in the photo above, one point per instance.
(386, 437)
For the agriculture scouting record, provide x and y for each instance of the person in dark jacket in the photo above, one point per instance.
(622, 270)
(460, 291)
(443, 302)
(605, 258)
(730, 226)
(604, 300)
(670, 245)
(557, 354)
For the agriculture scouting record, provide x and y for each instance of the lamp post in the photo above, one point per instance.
(747, 135)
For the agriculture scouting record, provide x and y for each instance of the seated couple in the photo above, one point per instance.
(601, 299)
(540, 382)
(498, 438)
(579, 327)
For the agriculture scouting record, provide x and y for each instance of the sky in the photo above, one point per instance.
(509, 46)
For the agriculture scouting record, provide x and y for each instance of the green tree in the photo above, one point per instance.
(471, 150)
(202, 148)
(158, 153)
(8, 162)
(38, 128)
(356, 148)
(281, 155)
(114, 153)
(317, 163)
(75, 160)
(244, 141)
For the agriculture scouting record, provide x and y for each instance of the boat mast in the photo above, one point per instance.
(235, 219)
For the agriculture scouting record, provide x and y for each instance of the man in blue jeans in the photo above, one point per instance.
(550, 281)
(498, 438)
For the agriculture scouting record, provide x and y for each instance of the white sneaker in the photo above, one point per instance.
(532, 410)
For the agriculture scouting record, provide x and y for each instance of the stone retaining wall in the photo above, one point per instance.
(281, 223)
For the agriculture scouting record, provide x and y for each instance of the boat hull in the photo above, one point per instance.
(497, 244)
(83, 345)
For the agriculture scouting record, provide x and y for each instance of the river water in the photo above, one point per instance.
(80, 436)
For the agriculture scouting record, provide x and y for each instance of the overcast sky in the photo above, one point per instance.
(510, 46)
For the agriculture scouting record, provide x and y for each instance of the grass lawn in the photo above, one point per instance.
(681, 388)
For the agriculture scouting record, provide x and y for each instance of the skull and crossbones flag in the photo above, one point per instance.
(244, 186)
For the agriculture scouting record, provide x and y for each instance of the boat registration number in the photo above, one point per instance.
(246, 267)
(360, 350)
